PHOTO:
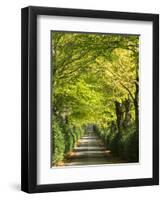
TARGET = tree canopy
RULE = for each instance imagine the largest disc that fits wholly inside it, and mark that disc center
(95, 79)
(91, 72)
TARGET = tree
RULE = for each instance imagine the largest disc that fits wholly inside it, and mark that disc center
(95, 79)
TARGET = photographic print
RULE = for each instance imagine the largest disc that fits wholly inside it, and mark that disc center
(94, 98)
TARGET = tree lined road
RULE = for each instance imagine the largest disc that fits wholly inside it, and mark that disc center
(90, 151)
(95, 81)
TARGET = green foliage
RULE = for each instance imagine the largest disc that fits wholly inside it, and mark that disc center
(125, 145)
(70, 138)
(64, 139)
(70, 141)
(58, 142)
(130, 146)
(95, 80)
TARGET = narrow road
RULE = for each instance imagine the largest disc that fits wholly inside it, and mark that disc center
(90, 151)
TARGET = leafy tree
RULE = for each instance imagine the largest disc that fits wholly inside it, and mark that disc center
(95, 80)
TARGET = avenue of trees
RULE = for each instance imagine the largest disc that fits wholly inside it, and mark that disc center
(95, 81)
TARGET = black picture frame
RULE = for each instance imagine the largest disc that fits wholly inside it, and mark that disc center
(29, 99)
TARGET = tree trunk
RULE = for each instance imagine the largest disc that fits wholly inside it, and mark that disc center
(119, 114)
(127, 113)
(136, 104)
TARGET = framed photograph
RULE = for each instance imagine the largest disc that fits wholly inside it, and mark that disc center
(90, 99)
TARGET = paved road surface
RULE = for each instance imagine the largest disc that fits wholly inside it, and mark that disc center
(90, 151)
